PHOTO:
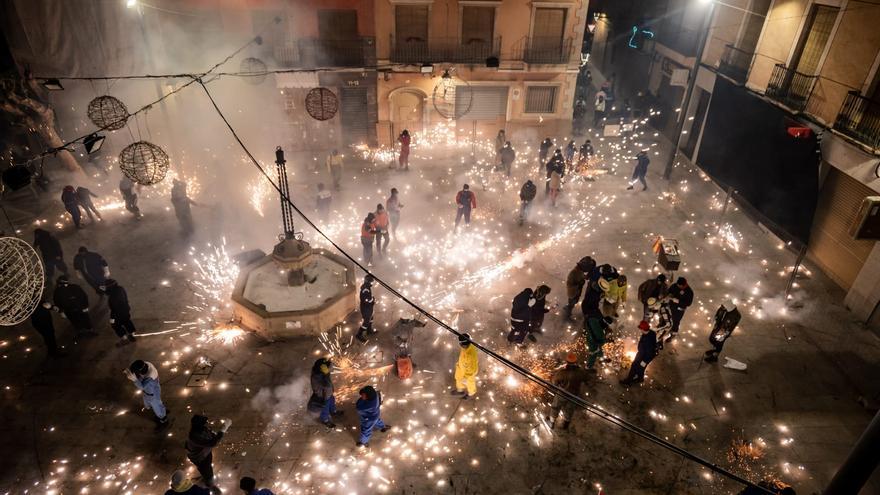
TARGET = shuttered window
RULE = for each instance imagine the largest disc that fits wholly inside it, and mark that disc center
(477, 24)
(411, 23)
(486, 102)
(818, 31)
(541, 99)
(549, 28)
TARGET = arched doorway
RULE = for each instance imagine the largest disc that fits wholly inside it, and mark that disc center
(407, 110)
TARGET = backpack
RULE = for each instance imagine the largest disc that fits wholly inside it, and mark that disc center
(404, 367)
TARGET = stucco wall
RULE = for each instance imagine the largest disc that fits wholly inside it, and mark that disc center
(785, 18)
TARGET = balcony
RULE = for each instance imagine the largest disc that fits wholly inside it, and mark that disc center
(790, 87)
(317, 52)
(419, 51)
(735, 63)
(544, 50)
(859, 118)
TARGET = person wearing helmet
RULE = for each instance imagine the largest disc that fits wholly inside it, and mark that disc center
(726, 319)
(466, 201)
(520, 316)
(646, 352)
(74, 305)
(366, 307)
(120, 312)
(322, 400)
(71, 204)
(571, 378)
(145, 377)
(526, 195)
(574, 283)
(537, 312)
(369, 409)
(182, 485)
(652, 289)
(466, 368)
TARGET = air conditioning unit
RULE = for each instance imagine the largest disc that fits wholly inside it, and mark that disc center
(867, 223)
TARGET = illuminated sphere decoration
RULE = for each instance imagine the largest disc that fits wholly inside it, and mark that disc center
(321, 103)
(452, 98)
(21, 280)
(144, 163)
(108, 113)
(256, 68)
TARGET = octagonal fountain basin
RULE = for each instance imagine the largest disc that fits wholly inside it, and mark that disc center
(265, 300)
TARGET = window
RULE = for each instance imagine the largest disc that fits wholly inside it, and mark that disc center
(541, 99)
(817, 33)
(337, 24)
(753, 23)
(411, 23)
(477, 25)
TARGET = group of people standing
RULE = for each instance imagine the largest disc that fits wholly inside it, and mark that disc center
(380, 226)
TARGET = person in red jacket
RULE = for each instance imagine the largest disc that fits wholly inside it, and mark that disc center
(466, 201)
(381, 225)
(368, 233)
(403, 159)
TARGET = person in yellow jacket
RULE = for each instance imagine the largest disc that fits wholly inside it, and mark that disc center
(615, 296)
(466, 368)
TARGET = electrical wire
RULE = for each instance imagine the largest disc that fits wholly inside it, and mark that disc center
(549, 386)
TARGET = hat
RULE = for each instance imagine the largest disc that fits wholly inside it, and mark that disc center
(63, 279)
(247, 483)
(368, 279)
(571, 358)
(681, 281)
(198, 421)
(464, 340)
(661, 277)
(139, 367)
(542, 290)
(643, 325)
(603, 284)
(179, 481)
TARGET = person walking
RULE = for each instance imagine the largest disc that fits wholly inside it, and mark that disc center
(726, 319)
(466, 368)
(120, 313)
(571, 378)
(586, 152)
(651, 292)
(640, 171)
(322, 401)
(366, 307)
(368, 235)
(200, 443)
(71, 204)
(520, 316)
(41, 320)
(84, 198)
(369, 409)
(508, 156)
(500, 141)
(526, 195)
(599, 108)
(91, 267)
(466, 202)
(74, 305)
(404, 140)
(537, 312)
(680, 297)
(146, 378)
(50, 251)
(544, 152)
(323, 200)
(182, 204)
(393, 205)
(647, 351)
(182, 485)
(574, 283)
(334, 164)
(381, 223)
(126, 188)
(569, 152)
(248, 486)
(555, 164)
(555, 184)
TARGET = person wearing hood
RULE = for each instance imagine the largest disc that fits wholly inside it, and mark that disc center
(726, 319)
(182, 204)
(574, 283)
(544, 152)
(393, 205)
(200, 443)
(520, 315)
(369, 409)
(555, 164)
(71, 204)
(680, 297)
(367, 302)
(146, 378)
(84, 198)
(647, 351)
(41, 320)
(594, 324)
(126, 188)
(537, 311)
(91, 267)
(50, 251)
(640, 171)
(466, 201)
(322, 401)
(526, 195)
(586, 152)
(651, 292)
(571, 378)
(334, 166)
(466, 368)
(248, 486)
(74, 305)
(368, 235)
(120, 312)
(508, 156)
(182, 485)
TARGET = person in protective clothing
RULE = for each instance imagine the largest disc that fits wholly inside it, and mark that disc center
(91, 267)
(520, 316)
(182, 203)
(368, 408)
(74, 305)
(652, 289)
(594, 323)
(680, 297)
(50, 251)
(466, 368)
(726, 319)
(248, 486)
(544, 152)
(84, 198)
(571, 378)
(334, 166)
(182, 485)
(574, 283)
(120, 312)
(323, 200)
(71, 204)
(368, 234)
(402, 333)
(366, 307)
(404, 140)
(41, 320)
(393, 205)
(126, 188)
(569, 152)
(526, 195)
(555, 164)
(586, 152)
(145, 377)
(200, 443)
(466, 201)
(537, 311)
(508, 156)
(646, 353)
(322, 400)
(640, 171)
(500, 140)
(381, 224)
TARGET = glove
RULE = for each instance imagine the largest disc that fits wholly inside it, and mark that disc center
(106, 272)
(112, 321)
(226, 424)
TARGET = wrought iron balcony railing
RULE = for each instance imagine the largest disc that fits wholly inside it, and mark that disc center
(464, 51)
(735, 63)
(790, 87)
(318, 52)
(544, 50)
(859, 118)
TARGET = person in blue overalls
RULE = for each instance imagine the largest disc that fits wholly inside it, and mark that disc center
(368, 410)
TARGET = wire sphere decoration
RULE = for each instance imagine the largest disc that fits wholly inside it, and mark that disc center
(321, 103)
(254, 70)
(108, 113)
(144, 162)
(21, 280)
(452, 98)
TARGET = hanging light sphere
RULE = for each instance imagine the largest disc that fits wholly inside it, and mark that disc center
(108, 112)
(144, 163)
(21, 280)
(452, 98)
(256, 67)
(321, 103)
